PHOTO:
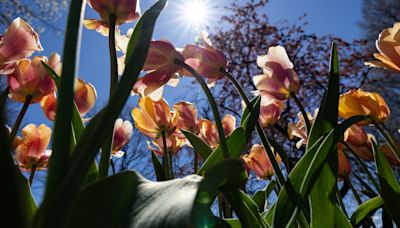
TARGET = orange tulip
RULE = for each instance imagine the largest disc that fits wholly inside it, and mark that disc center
(124, 10)
(388, 45)
(299, 130)
(359, 102)
(122, 134)
(187, 117)
(31, 150)
(279, 79)
(209, 131)
(174, 144)
(389, 154)
(344, 169)
(161, 69)
(31, 79)
(359, 141)
(18, 42)
(154, 117)
(257, 161)
(84, 97)
(206, 60)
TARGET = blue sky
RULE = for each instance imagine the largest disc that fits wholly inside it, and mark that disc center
(338, 17)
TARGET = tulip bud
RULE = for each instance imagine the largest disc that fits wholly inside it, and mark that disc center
(359, 102)
(122, 134)
(187, 117)
(209, 131)
(31, 79)
(19, 41)
(359, 141)
(270, 110)
(31, 150)
(344, 169)
(258, 161)
(388, 45)
(389, 154)
(279, 78)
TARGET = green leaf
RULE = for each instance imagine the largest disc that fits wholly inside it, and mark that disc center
(261, 196)
(129, 200)
(158, 168)
(59, 161)
(390, 186)
(322, 197)
(18, 206)
(282, 153)
(340, 218)
(224, 176)
(53, 210)
(234, 223)
(198, 144)
(250, 118)
(368, 208)
(236, 144)
(302, 177)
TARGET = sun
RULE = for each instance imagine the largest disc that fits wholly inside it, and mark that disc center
(197, 13)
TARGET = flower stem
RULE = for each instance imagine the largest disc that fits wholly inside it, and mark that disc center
(171, 167)
(213, 104)
(261, 133)
(107, 147)
(165, 150)
(20, 117)
(112, 166)
(32, 175)
(363, 166)
(358, 199)
(195, 162)
(302, 110)
(389, 139)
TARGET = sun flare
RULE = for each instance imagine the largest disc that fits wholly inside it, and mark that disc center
(197, 13)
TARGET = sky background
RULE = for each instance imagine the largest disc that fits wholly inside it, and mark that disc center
(324, 17)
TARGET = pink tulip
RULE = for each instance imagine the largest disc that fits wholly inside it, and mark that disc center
(31, 79)
(19, 41)
(187, 117)
(122, 134)
(84, 97)
(124, 10)
(389, 154)
(279, 79)
(160, 69)
(359, 141)
(270, 110)
(209, 132)
(31, 150)
(258, 161)
(206, 60)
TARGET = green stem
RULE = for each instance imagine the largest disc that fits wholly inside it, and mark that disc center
(302, 110)
(171, 167)
(213, 104)
(220, 206)
(107, 147)
(340, 200)
(261, 133)
(363, 166)
(20, 117)
(195, 161)
(389, 139)
(112, 165)
(32, 175)
(358, 198)
(165, 153)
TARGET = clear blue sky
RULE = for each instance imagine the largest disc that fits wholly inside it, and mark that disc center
(338, 17)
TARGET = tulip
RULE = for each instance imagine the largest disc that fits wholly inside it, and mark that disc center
(344, 166)
(187, 117)
(154, 117)
(389, 154)
(359, 102)
(279, 79)
(270, 111)
(206, 60)
(31, 79)
(174, 144)
(258, 161)
(388, 45)
(209, 132)
(359, 141)
(124, 10)
(299, 130)
(19, 41)
(84, 97)
(30, 152)
(122, 134)
(161, 69)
